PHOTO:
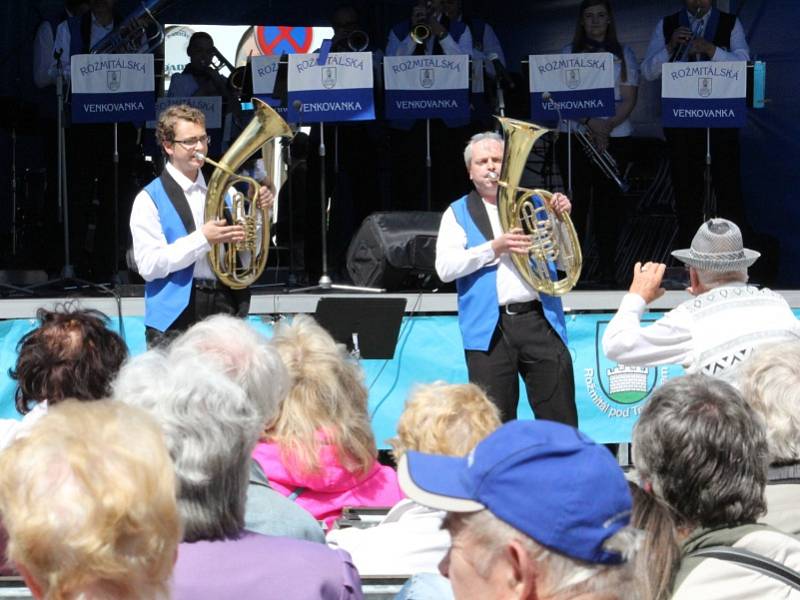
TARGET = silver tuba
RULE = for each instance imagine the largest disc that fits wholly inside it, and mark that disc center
(139, 33)
(553, 238)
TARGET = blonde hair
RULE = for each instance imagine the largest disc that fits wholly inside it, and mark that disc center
(326, 403)
(88, 500)
(443, 418)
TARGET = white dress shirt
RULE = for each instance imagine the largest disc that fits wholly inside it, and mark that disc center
(455, 260)
(625, 128)
(155, 258)
(63, 41)
(406, 46)
(491, 47)
(657, 52)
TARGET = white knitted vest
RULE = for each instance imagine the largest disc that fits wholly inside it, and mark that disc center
(728, 322)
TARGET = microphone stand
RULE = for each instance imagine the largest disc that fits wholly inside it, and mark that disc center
(709, 206)
(325, 282)
(428, 165)
(67, 278)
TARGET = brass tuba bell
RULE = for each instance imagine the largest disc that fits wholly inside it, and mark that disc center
(554, 242)
(238, 265)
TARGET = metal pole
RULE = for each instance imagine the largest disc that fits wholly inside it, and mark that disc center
(116, 201)
(324, 280)
(428, 164)
(569, 160)
(708, 205)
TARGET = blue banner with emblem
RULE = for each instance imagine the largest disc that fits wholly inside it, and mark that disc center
(338, 90)
(427, 87)
(704, 94)
(609, 395)
(578, 86)
(108, 88)
(265, 74)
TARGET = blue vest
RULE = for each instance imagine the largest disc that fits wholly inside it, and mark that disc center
(478, 306)
(166, 298)
(77, 31)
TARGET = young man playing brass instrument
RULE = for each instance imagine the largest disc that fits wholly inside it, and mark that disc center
(171, 241)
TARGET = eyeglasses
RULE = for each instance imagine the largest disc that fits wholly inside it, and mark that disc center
(191, 142)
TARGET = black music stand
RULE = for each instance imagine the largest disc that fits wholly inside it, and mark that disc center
(369, 327)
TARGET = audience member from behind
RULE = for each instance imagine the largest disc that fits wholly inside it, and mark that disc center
(536, 510)
(703, 449)
(87, 516)
(717, 328)
(321, 452)
(659, 555)
(439, 418)
(71, 354)
(770, 384)
(211, 427)
(251, 362)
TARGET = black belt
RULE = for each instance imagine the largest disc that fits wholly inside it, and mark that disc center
(519, 308)
(208, 284)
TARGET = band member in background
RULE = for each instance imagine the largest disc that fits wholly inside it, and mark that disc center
(595, 31)
(170, 239)
(507, 332)
(45, 38)
(90, 156)
(199, 78)
(488, 59)
(447, 36)
(700, 32)
(409, 137)
(357, 165)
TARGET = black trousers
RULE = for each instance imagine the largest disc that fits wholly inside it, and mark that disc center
(525, 344)
(203, 302)
(687, 154)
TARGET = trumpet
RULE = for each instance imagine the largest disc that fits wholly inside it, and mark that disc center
(603, 160)
(237, 74)
(420, 33)
(357, 40)
(679, 54)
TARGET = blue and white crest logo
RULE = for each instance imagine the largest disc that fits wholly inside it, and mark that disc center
(572, 78)
(704, 86)
(113, 80)
(426, 78)
(622, 384)
(328, 77)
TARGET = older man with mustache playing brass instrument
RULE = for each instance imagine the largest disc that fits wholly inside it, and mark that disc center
(505, 328)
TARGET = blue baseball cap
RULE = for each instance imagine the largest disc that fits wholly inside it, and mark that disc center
(545, 479)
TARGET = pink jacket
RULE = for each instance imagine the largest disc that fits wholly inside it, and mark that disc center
(327, 492)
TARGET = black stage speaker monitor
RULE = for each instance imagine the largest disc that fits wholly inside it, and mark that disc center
(395, 250)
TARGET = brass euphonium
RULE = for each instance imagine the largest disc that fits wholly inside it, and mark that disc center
(239, 264)
(554, 242)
